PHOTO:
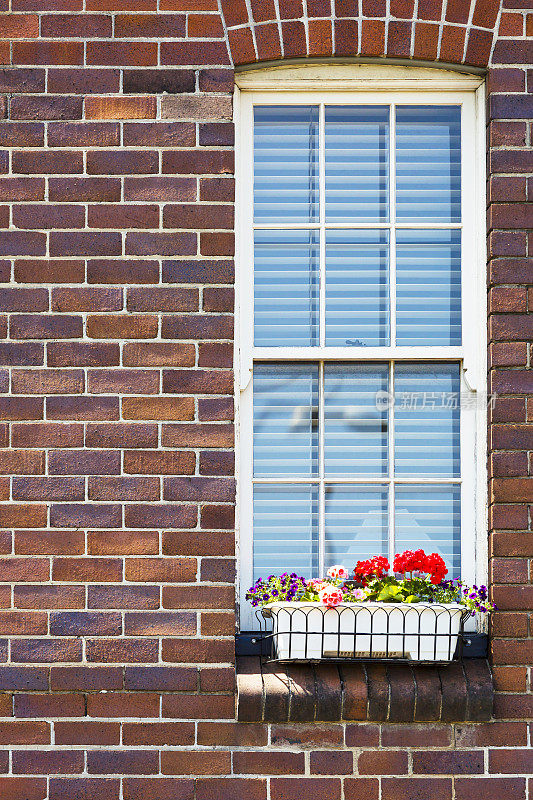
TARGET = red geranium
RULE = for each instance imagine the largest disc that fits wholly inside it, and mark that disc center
(418, 561)
(373, 568)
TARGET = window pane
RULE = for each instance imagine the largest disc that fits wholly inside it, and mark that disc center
(428, 293)
(427, 418)
(428, 163)
(356, 524)
(286, 288)
(357, 163)
(285, 420)
(357, 294)
(355, 427)
(430, 517)
(285, 530)
(286, 163)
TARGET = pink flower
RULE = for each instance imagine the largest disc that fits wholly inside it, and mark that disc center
(358, 594)
(317, 584)
(331, 597)
(338, 572)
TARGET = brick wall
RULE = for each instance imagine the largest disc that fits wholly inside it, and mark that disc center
(116, 439)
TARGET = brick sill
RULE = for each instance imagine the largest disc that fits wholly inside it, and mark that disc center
(376, 692)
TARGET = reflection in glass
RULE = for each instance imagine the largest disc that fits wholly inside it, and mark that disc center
(286, 289)
(286, 163)
(355, 437)
(285, 420)
(357, 294)
(356, 523)
(427, 416)
(285, 530)
(429, 517)
(428, 163)
(428, 293)
(357, 163)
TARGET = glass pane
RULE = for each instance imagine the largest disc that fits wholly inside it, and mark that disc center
(355, 438)
(357, 293)
(285, 530)
(428, 163)
(428, 293)
(427, 419)
(429, 517)
(285, 420)
(356, 524)
(286, 163)
(286, 289)
(357, 163)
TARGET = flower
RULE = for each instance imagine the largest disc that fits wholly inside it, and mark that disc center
(358, 594)
(338, 572)
(374, 567)
(331, 596)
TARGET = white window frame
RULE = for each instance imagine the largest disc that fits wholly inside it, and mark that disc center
(356, 84)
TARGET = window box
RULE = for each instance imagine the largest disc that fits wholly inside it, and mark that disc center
(415, 632)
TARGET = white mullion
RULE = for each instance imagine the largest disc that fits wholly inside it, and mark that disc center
(321, 470)
(390, 440)
(392, 214)
(322, 222)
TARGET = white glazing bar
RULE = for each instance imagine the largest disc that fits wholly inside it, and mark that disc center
(358, 353)
(365, 480)
(321, 490)
(392, 212)
(322, 220)
(289, 226)
(390, 429)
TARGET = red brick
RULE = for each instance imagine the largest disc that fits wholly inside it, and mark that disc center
(124, 762)
(159, 788)
(87, 732)
(84, 788)
(29, 596)
(26, 788)
(122, 542)
(490, 788)
(389, 762)
(49, 542)
(83, 189)
(44, 762)
(163, 570)
(122, 650)
(233, 789)
(158, 734)
(120, 107)
(123, 381)
(24, 733)
(415, 788)
(161, 408)
(47, 52)
(128, 54)
(46, 705)
(355, 788)
(122, 704)
(77, 26)
(19, 26)
(449, 763)
(426, 41)
(196, 763)
(82, 299)
(183, 651)
(87, 569)
(292, 788)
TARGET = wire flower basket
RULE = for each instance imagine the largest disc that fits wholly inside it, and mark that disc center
(425, 633)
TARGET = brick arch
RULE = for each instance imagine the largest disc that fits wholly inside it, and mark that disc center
(457, 32)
